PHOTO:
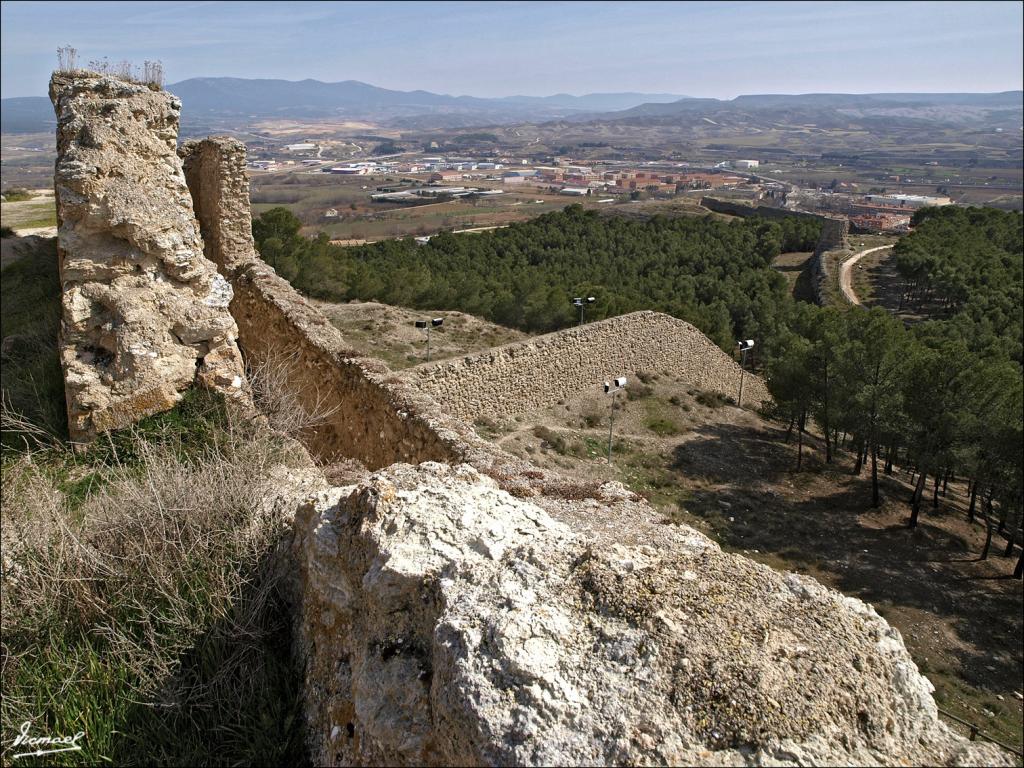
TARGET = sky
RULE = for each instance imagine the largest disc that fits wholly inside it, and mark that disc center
(716, 49)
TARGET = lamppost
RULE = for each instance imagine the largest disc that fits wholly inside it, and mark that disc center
(745, 346)
(580, 302)
(613, 388)
(426, 325)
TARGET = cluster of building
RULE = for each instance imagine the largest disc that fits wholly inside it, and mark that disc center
(659, 181)
(905, 202)
(871, 212)
(881, 222)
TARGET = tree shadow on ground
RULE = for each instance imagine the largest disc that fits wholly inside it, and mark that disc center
(821, 519)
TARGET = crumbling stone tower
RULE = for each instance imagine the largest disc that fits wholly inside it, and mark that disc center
(144, 313)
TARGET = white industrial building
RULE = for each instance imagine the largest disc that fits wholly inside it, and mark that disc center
(575, 191)
(745, 165)
(907, 201)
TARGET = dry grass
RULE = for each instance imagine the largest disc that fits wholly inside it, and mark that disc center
(149, 609)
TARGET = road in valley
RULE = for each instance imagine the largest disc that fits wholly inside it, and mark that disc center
(846, 276)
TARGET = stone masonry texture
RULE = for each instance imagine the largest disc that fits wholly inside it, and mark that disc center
(144, 314)
(445, 622)
(534, 374)
(364, 418)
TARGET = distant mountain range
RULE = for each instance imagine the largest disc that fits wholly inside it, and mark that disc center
(220, 98)
(843, 102)
(230, 101)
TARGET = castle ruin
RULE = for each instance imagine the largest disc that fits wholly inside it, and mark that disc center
(457, 605)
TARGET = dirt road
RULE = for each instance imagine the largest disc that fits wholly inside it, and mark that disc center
(845, 276)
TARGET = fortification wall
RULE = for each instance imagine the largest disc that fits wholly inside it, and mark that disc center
(529, 375)
(144, 314)
(834, 236)
(834, 233)
(437, 614)
(366, 417)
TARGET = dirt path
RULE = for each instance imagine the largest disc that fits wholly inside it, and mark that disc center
(845, 279)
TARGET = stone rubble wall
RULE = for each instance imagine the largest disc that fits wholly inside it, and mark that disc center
(530, 375)
(144, 314)
(835, 230)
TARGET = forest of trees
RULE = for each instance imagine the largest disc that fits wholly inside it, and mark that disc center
(944, 397)
(968, 262)
(713, 273)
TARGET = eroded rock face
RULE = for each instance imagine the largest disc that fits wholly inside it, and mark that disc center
(145, 315)
(447, 622)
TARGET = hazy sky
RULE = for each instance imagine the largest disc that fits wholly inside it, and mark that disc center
(719, 49)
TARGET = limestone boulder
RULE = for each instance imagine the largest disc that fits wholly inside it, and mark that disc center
(447, 622)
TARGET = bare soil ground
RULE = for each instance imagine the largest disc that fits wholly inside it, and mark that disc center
(794, 266)
(37, 216)
(731, 474)
(852, 266)
(388, 333)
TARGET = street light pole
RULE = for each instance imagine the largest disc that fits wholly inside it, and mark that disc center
(425, 325)
(745, 346)
(613, 388)
(581, 302)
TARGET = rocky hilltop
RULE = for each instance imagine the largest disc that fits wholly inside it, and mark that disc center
(458, 606)
(450, 623)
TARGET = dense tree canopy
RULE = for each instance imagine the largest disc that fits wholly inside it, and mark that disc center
(947, 392)
(969, 261)
(713, 273)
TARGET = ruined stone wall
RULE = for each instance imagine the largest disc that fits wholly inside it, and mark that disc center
(529, 375)
(835, 231)
(444, 621)
(365, 417)
(745, 210)
(834, 237)
(144, 314)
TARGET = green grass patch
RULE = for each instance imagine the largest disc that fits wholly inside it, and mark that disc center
(30, 374)
(143, 590)
(142, 606)
(17, 195)
(49, 220)
(662, 426)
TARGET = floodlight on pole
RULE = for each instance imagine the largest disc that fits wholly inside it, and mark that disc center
(744, 346)
(581, 302)
(612, 388)
(426, 325)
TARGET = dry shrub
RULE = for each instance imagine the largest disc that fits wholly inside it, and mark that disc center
(271, 376)
(594, 416)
